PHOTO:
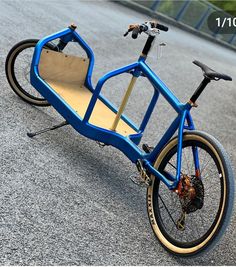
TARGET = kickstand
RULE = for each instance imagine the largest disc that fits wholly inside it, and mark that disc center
(48, 129)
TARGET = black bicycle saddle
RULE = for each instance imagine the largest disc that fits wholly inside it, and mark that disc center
(210, 73)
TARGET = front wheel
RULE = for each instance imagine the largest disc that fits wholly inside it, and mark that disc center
(17, 68)
(192, 218)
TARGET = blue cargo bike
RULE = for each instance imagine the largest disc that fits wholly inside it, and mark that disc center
(188, 175)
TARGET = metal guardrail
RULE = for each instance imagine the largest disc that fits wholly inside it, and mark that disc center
(191, 13)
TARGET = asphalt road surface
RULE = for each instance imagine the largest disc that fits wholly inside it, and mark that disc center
(66, 201)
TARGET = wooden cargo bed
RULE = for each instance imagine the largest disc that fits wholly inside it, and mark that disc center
(66, 76)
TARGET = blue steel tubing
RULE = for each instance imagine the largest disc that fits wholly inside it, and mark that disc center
(150, 158)
(196, 158)
(156, 173)
(194, 149)
(100, 84)
(122, 143)
(88, 82)
(179, 148)
(178, 122)
(68, 35)
(149, 111)
(161, 87)
(189, 120)
(49, 38)
(90, 55)
(164, 140)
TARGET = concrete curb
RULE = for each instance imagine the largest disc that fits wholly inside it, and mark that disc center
(171, 21)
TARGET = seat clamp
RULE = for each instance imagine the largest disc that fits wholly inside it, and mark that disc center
(193, 104)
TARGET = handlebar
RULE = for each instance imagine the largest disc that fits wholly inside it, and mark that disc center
(162, 27)
(147, 27)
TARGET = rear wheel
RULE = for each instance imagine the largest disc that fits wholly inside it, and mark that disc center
(17, 69)
(191, 219)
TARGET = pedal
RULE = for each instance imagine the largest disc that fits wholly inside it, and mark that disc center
(147, 148)
(138, 180)
(143, 178)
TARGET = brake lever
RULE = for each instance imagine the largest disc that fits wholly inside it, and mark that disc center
(131, 27)
(126, 33)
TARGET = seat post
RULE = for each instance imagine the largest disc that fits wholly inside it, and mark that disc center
(199, 90)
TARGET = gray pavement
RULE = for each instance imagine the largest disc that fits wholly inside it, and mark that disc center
(65, 201)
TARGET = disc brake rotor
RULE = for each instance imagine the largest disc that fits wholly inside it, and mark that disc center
(191, 193)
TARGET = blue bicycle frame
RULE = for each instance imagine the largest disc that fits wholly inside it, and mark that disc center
(127, 144)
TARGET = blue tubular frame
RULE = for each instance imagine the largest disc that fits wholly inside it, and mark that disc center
(128, 144)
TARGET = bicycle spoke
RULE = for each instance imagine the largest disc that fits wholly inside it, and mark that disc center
(174, 167)
(198, 221)
(186, 159)
(167, 209)
(202, 170)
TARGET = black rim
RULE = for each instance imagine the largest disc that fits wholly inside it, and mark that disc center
(158, 199)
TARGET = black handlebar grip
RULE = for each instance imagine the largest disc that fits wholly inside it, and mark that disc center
(135, 33)
(162, 27)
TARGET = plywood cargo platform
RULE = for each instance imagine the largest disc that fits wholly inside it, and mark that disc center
(66, 76)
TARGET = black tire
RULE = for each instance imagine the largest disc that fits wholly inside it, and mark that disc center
(29, 95)
(216, 207)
